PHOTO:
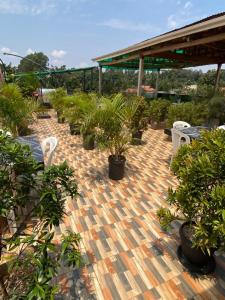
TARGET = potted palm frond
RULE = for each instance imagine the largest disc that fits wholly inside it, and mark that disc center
(139, 121)
(158, 111)
(74, 110)
(89, 110)
(199, 199)
(16, 111)
(113, 117)
(57, 100)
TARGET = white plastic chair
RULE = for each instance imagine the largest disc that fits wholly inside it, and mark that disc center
(181, 124)
(221, 127)
(178, 139)
(49, 144)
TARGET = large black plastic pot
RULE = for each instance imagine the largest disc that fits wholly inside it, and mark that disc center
(116, 166)
(136, 137)
(89, 141)
(74, 129)
(195, 255)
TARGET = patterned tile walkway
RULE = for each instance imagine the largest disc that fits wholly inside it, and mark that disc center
(129, 256)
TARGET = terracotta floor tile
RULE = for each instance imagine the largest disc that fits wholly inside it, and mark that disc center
(130, 256)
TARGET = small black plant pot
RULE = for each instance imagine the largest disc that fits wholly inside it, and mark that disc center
(116, 167)
(74, 129)
(136, 137)
(195, 256)
(43, 115)
(89, 141)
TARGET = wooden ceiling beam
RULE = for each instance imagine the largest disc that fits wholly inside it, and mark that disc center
(183, 45)
(189, 44)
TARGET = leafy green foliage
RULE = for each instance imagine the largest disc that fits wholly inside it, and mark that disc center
(200, 196)
(35, 254)
(114, 118)
(158, 110)
(195, 114)
(217, 108)
(139, 119)
(57, 99)
(28, 84)
(16, 112)
(80, 108)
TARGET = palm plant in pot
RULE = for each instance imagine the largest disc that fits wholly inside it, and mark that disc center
(57, 99)
(89, 110)
(199, 199)
(139, 120)
(76, 109)
(113, 116)
(158, 111)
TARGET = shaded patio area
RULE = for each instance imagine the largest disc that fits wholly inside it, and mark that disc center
(128, 255)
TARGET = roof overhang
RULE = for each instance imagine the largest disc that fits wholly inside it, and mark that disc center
(200, 43)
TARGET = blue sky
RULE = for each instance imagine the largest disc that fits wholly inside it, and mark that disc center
(72, 32)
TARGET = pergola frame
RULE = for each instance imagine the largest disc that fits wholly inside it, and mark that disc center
(200, 43)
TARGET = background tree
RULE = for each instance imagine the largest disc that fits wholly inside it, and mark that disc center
(33, 62)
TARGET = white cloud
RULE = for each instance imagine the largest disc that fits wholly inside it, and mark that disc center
(129, 26)
(188, 5)
(57, 62)
(27, 6)
(36, 7)
(58, 53)
(30, 51)
(82, 65)
(172, 22)
(183, 16)
(8, 50)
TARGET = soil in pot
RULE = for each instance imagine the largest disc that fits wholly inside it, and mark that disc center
(74, 129)
(43, 115)
(116, 167)
(195, 255)
(89, 141)
(136, 138)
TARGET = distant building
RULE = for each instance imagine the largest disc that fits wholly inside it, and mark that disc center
(147, 89)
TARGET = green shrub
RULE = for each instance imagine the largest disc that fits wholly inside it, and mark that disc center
(16, 112)
(139, 120)
(217, 108)
(57, 99)
(195, 114)
(158, 110)
(80, 109)
(200, 195)
(28, 84)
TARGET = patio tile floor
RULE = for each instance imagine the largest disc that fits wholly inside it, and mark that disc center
(128, 255)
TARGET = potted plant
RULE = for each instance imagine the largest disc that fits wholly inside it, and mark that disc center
(74, 109)
(16, 112)
(79, 111)
(139, 121)
(57, 100)
(158, 110)
(89, 122)
(113, 118)
(199, 199)
(29, 253)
